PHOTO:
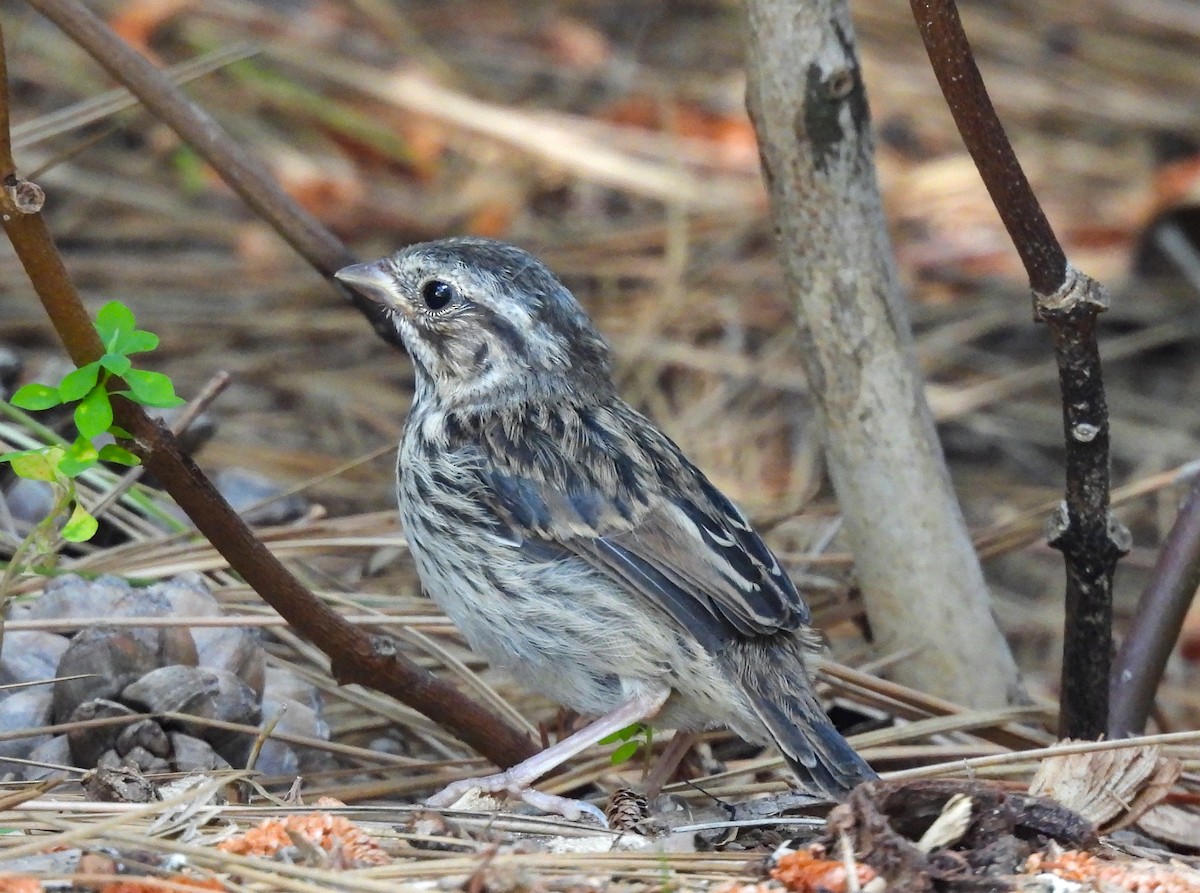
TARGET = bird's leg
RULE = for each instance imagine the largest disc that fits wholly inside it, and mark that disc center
(517, 780)
(668, 761)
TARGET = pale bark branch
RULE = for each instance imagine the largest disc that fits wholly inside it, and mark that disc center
(920, 577)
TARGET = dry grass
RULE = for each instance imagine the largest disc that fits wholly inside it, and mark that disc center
(395, 124)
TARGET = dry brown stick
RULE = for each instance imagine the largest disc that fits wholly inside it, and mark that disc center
(1068, 301)
(356, 656)
(240, 170)
(179, 425)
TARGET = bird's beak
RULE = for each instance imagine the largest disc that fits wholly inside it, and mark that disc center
(367, 280)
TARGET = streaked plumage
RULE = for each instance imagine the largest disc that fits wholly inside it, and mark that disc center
(565, 535)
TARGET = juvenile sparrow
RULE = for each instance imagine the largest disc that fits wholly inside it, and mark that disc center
(569, 539)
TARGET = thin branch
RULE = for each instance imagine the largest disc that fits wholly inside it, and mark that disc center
(184, 420)
(1068, 302)
(243, 172)
(962, 85)
(240, 170)
(356, 656)
(1158, 621)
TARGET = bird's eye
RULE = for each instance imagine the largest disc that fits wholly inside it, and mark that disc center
(437, 294)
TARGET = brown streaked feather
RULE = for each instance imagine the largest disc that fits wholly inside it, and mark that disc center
(636, 509)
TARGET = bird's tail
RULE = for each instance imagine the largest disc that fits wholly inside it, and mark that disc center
(781, 696)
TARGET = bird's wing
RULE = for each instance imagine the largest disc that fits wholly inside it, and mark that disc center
(630, 504)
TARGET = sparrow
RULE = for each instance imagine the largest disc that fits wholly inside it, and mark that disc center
(570, 540)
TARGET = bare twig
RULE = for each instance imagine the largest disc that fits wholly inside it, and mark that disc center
(1068, 302)
(356, 656)
(1157, 622)
(238, 168)
(97, 108)
(182, 422)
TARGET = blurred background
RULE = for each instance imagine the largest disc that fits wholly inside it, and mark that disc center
(610, 138)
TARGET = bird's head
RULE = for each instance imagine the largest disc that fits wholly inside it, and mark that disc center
(484, 321)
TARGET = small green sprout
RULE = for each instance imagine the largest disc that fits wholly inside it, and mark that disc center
(632, 738)
(87, 386)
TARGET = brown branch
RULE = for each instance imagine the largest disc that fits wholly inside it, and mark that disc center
(1068, 302)
(1156, 624)
(356, 656)
(962, 85)
(240, 170)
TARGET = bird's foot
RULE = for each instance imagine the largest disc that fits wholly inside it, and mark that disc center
(504, 783)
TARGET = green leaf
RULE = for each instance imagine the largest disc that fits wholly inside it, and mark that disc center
(140, 341)
(35, 465)
(78, 382)
(17, 454)
(625, 752)
(118, 329)
(120, 433)
(73, 468)
(110, 452)
(151, 388)
(622, 734)
(116, 363)
(36, 396)
(81, 526)
(114, 322)
(94, 413)
(80, 456)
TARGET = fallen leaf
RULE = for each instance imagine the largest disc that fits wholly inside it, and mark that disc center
(1107, 786)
